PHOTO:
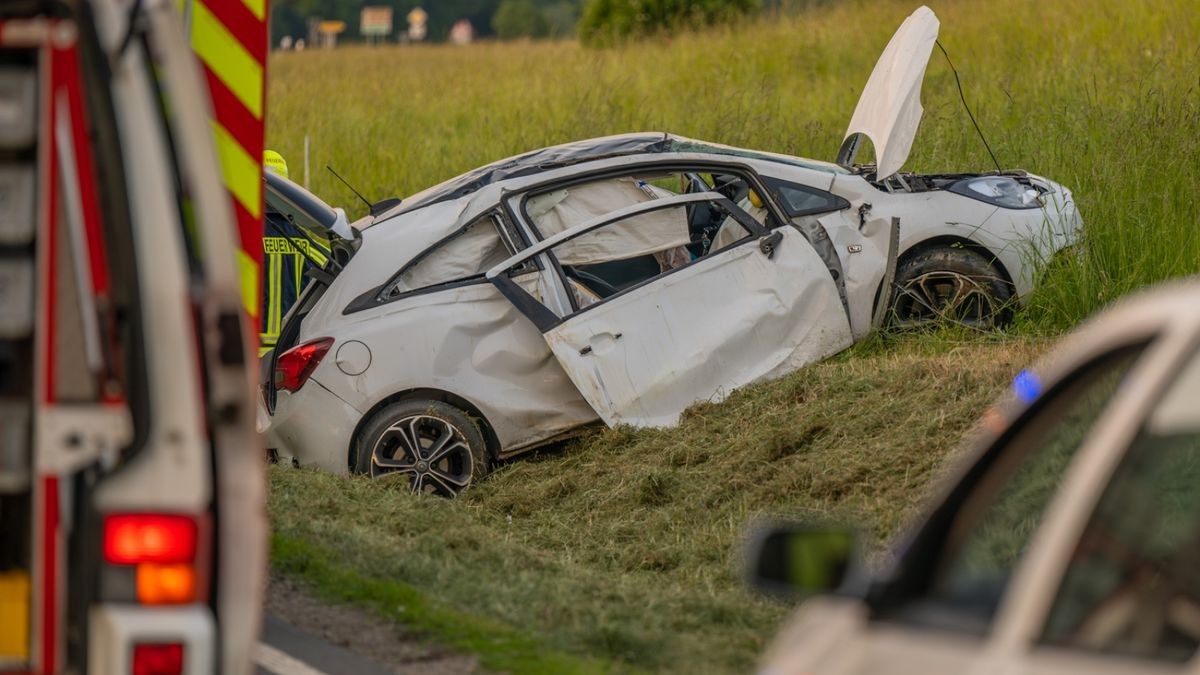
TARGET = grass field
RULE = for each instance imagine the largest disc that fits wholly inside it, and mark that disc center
(622, 546)
(1101, 96)
(617, 551)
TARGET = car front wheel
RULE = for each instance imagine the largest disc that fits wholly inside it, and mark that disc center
(956, 285)
(433, 446)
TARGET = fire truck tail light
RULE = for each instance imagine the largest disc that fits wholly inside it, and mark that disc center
(159, 584)
(295, 365)
(159, 658)
(130, 539)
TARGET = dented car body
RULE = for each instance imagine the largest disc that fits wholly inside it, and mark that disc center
(621, 279)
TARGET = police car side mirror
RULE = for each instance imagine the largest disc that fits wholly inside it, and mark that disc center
(790, 561)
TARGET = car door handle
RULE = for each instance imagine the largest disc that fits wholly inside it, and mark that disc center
(768, 243)
(587, 349)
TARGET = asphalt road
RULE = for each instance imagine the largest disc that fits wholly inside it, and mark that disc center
(286, 650)
(304, 635)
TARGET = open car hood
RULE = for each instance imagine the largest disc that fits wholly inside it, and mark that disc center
(889, 109)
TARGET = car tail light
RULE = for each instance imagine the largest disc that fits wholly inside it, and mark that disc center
(160, 658)
(163, 551)
(294, 366)
(135, 538)
(166, 584)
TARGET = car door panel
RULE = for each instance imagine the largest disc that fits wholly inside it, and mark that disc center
(702, 332)
(855, 249)
(755, 310)
(864, 254)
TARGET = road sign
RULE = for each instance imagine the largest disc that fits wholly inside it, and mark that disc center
(376, 21)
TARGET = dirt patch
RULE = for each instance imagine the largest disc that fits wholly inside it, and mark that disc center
(385, 642)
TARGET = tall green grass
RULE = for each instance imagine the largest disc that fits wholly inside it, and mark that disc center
(620, 547)
(1100, 95)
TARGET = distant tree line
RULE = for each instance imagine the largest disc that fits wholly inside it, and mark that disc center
(597, 22)
(505, 18)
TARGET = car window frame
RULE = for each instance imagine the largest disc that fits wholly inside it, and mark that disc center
(1038, 647)
(835, 202)
(546, 320)
(748, 173)
(896, 600)
(520, 215)
(373, 297)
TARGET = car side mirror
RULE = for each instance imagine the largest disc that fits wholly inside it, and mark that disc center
(790, 561)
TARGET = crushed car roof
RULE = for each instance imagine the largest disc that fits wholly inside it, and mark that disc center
(567, 154)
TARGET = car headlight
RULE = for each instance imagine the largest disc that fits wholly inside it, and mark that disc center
(1000, 190)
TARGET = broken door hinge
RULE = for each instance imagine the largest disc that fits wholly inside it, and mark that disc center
(862, 214)
(768, 243)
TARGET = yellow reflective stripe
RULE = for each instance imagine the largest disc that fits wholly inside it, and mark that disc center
(275, 301)
(257, 7)
(241, 172)
(317, 255)
(248, 274)
(227, 58)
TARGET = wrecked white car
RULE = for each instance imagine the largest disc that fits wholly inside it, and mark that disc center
(624, 278)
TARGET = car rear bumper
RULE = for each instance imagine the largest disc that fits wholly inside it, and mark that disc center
(313, 427)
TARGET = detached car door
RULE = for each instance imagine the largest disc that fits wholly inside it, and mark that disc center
(693, 328)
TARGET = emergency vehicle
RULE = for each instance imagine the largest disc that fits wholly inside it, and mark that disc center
(132, 520)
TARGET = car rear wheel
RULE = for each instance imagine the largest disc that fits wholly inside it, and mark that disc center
(956, 285)
(432, 446)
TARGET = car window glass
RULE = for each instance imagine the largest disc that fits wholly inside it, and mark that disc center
(467, 254)
(1131, 586)
(1005, 508)
(801, 200)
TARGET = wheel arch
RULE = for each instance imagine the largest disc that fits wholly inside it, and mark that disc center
(947, 241)
(954, 241)
(431, 394)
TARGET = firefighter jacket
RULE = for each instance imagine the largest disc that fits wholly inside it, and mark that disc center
(284, 265)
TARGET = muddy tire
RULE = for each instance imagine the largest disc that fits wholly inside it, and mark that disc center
(947, 284)
(432, 446)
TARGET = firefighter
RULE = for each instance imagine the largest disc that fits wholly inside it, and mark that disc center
(287, 254)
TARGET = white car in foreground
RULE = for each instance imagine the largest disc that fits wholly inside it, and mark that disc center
(1068, 544)
(625, 278)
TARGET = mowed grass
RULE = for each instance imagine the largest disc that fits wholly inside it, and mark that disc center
(617, 551)
(1100, 95)
(623, 546)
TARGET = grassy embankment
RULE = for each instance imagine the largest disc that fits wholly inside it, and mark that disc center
(623, 545)
(619, 547)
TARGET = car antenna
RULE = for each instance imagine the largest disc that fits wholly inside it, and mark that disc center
(347, 184)
(966, 107)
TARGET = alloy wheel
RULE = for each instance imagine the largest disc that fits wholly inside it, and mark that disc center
(431, 453)
(944, 296)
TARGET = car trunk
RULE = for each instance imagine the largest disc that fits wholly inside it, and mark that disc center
(317, 222)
